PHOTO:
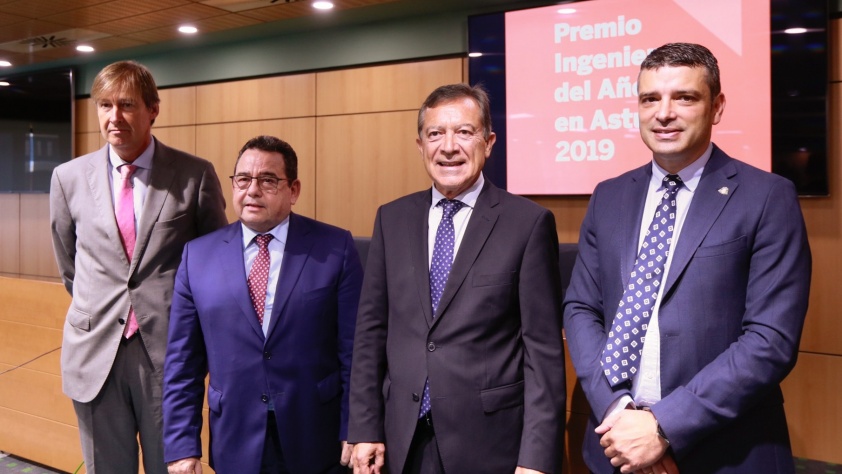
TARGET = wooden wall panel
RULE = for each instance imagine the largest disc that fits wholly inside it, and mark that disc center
(36, 247)
(45, 441)
(21, 343)
(182, 138)
(835, 41)
(364, 161)
(86, 118)
(41, 397)
(383, 88)
(256, 99)
(35, 303)
(178, 107)
(88, 142)
(221, 143)
(10, 233)
(824, 229)
(569, 213)
(813, 410)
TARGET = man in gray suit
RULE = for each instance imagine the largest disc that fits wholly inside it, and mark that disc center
(120, 217)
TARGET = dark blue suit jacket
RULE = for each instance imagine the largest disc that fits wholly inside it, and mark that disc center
(493, 353)
(303, 365)
(730, 319)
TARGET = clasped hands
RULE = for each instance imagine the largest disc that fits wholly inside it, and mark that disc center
(631, 442)
(369, 458)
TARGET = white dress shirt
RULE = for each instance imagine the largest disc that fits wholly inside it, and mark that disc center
(140, 178)
(460, 219)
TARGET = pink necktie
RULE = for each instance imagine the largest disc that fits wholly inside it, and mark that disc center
(259, 275)
(125, 222)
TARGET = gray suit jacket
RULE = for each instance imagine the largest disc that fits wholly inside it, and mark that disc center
(184, 200)
(493, 353)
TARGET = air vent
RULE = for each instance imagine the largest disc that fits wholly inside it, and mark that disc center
(45, 42)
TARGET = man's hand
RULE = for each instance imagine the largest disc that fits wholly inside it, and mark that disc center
(523, 470)
(665, 465)
(185, 466)
(368, 458)
(631, 441)
(345, 458)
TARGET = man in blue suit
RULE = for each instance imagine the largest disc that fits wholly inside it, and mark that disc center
(700, 393)
(276, 343)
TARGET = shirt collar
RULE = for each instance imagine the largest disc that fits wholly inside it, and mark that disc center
(279, 232)
(144, 161)
(468, 197)
(690, 175)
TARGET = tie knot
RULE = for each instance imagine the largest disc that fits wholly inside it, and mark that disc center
(673, 182)
(263, 240)
(450, 207)
(126, 171)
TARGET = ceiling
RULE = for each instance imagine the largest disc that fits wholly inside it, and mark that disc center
(35, 31)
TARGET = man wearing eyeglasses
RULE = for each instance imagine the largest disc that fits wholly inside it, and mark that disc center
(267, 306)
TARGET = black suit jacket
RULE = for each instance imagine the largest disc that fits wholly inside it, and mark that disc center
(493, 353)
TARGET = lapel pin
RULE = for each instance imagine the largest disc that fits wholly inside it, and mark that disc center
(723, 191)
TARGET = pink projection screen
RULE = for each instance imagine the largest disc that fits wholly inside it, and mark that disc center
(571, 85)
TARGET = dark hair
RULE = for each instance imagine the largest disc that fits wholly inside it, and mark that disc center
(452, 92)
(273, 144)
(686, 54)
(126, 76)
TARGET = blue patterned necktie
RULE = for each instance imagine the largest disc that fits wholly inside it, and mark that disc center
(440, 270)
(621, 356)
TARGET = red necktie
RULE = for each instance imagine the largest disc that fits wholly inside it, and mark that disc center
(259, 275)
(125, 222)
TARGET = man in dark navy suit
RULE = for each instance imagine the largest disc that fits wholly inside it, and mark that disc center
(702, 395)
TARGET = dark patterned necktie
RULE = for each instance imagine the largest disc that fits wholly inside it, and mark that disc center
(440, 270)
(621, 356)
(259, 275)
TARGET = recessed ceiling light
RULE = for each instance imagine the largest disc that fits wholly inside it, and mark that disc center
(322, 5)
(567, 11)
(188, 30)
(5, 63)
(474, 55)
(795, 31)
(83, 48)
(4, 84)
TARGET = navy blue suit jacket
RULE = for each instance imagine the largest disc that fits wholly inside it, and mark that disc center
(303, 364)
(730, 318)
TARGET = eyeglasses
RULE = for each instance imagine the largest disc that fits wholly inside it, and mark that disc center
(268, 184)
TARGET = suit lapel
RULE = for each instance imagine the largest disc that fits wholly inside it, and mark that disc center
(99, 181)
(234, 269)
(482, 221)
(634, 200)
(705, 208)
(417, 223)
(296, 252)
(161, 177)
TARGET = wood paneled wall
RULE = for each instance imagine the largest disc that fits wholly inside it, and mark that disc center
(354, 132)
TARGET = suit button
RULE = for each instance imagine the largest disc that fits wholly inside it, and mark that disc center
(431, 346)
(264, 398)
(267, 355)
(121, 321)
(415, 397)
